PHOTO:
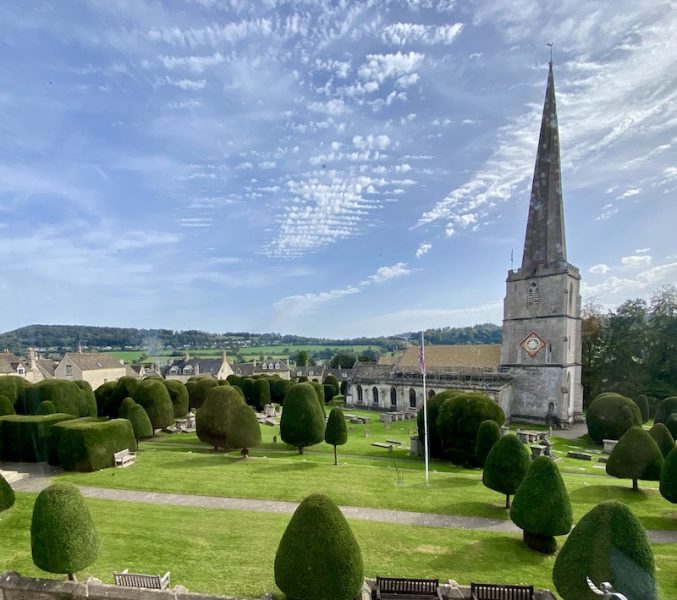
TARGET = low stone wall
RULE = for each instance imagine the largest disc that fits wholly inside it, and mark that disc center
(15, 587)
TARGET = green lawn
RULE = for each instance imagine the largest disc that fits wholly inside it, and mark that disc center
(232, 552)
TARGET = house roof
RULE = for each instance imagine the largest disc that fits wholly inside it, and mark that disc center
(9, 363)
(92, 361)
(46, 367)
(205, 366)
(306, 370)
(255, 367)
(471, 356)
(371, 372)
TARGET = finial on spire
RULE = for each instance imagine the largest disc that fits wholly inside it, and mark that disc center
(550, 44)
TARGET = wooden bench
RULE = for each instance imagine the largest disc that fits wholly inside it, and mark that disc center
(382, 445)
(124, 458)
(138, 580)
(499, 591)
(411, 589)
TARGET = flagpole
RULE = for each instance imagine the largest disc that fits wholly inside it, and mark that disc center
(425, 409)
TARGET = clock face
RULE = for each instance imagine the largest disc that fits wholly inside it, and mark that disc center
(533, 344)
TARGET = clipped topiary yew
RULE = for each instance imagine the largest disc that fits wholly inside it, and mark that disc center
(663, 438)
(213, 418)
(6, 406)
(302, 421)
(610, 415)
(125, 387)
(668, 486)
(247, 387)
(487, 435)
(506, 465)
(636, 456)
(243, 430)
(459, 419)
(66, 396)
(63, 536)
(141, 425)
(197, 392)
(336, 432)
(319, 391)
(318, 557)
(278, 389)
(328, 392)
(88, 395)
(541, 507)
(433, 408)
(127, 405)
(46, 408)
(23, 438)
(642, 403)
(260, 393)
(664, 409)
(178, 394)
(671, 424)
(607, 544)
(154, 397)
(6, 494)
(106, 402)
(331, 380)
(15, 388)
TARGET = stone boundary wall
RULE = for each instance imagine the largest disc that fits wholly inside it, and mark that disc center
(15, 587)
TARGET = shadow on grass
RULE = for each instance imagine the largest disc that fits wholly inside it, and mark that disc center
(599, 493)
(288, 467)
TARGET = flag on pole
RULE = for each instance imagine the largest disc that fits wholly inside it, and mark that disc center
(421, 356)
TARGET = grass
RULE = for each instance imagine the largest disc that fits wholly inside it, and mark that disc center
(233, 552)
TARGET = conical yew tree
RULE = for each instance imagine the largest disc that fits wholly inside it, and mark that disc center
(506, 465)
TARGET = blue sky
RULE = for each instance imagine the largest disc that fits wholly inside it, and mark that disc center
(323, 168)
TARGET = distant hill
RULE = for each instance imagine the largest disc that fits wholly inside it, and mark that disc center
(61, 338)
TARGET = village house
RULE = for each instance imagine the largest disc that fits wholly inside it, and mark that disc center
(96, 368)
(185, 368)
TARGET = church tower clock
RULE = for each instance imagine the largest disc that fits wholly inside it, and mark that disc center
(541, 344)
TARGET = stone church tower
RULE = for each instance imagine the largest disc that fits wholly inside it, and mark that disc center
(542, 307)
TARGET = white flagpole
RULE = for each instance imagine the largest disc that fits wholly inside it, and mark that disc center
(425, 410)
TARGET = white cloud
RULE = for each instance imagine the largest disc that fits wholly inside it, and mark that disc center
(333, 107)
(405, 34)
(187, 84)
(213, 35)
(633, 191)
(196, 64)
(608, 211)
(636, 261)
(371, 142)
(380, 67)
(642, 250)
(300, 305)
(600, 269)
(423, 249)
(385, 273)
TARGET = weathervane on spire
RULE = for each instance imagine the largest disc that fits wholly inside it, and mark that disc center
(550, 44)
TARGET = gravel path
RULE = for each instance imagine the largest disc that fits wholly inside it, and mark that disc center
(40, 477)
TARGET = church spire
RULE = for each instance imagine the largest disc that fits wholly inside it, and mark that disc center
(544, 243)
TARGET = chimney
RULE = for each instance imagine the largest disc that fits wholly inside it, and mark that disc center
(32, 358)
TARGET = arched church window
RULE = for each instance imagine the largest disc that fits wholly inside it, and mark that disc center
(374, 393)
(359, 394)
(431, 394)
(412, 398)
(393, 396)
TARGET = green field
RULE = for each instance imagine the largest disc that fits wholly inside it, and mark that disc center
(232, 552)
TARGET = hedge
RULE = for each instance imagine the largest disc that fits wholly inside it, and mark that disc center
(6, 406)
(197, 392)
(506, 466)
(154, 397)
(23, 438)
(663, 438)
(6, 494)
(607, 544)
(318, 557)
(88, 394)
(668, 485)
(636, 456)
(125, 387)
(459, 418)
(54, 437)
(107, 404)
(664, 409)
(278, 389)
(90, 445)
(14, 388)
(302, 421)
(66, 396)
(178, 394)
(487, 435)
(63, 536)
(541, 507)
(610, 415)
(46, 408)
(213, 418)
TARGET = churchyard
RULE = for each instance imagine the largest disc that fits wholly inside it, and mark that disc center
(232, 551)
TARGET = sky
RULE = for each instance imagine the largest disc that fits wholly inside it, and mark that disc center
(331, 169)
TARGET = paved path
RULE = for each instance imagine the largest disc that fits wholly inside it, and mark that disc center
(40, 476)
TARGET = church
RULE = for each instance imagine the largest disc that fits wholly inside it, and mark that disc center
(535, 373)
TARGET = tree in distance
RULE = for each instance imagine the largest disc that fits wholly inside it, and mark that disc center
(318, 557)
(487, 435)
(668, 485)
(336, 432)
(343, 360)
(662, 436)
(607, 544)
(636, 456)
(541, 507)
(302, 421)
(63, 536)
(506, 465)
(6, 494)
(610, 415)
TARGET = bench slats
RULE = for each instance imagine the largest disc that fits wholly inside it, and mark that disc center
(495, 591)
(140, 580)
(395, 587)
